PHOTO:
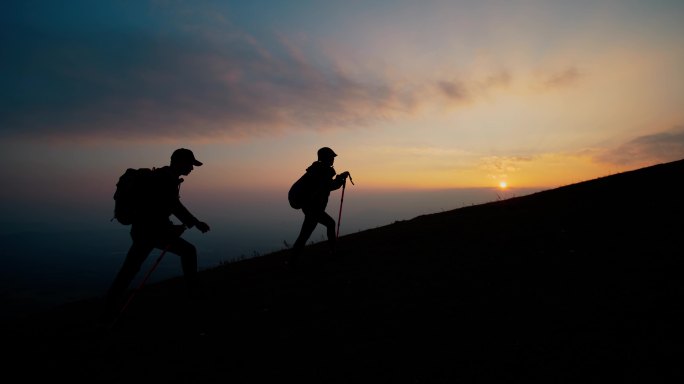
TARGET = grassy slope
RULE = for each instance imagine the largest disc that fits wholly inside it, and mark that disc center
(577, 284)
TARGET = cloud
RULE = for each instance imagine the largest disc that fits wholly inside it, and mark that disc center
(500, 167)
(660, 147)
(565, 78)
(215, 83)
(203, 77)
(196, 80)
(453, 90)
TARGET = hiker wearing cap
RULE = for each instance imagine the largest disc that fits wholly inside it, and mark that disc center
(152, 228)
(320, 179)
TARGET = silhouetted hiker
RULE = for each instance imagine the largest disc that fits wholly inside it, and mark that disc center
(313, 190)
(151, 228)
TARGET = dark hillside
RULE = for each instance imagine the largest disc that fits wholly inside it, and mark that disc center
(577, 284)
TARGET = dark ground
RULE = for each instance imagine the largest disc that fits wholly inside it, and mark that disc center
(580, 284)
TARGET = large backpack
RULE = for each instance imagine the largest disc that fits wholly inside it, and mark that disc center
(300, 192)
(132, 194)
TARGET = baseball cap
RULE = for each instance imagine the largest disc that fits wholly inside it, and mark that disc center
(184, 155)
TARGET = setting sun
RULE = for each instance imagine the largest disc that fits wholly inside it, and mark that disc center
(503, 185)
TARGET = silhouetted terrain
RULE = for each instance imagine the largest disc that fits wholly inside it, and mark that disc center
(577, 284)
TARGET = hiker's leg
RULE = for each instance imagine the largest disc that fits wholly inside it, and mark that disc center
(188, 257)
(137, 254)
(329, 223)
(308, 226)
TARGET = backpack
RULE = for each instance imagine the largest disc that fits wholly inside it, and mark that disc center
(300, 192)
(132, 194)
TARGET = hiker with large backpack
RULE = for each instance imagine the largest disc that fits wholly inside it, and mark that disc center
(145, 199)
(310, 193)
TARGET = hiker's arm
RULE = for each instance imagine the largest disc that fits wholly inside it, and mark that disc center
(339, 180)
(184, 215)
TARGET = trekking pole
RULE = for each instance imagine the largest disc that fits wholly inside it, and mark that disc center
(339, 217)
(142, 283)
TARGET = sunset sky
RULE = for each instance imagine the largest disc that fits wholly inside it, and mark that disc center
(410, 94)
(431, 105)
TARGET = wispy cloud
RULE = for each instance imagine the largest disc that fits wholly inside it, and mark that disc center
(206, 78)
(453, 90)
(559, 79)
(194, 80)
(158, 86)
(500, 167)
(661, 147)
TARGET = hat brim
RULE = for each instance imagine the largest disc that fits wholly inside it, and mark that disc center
(196, 163)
